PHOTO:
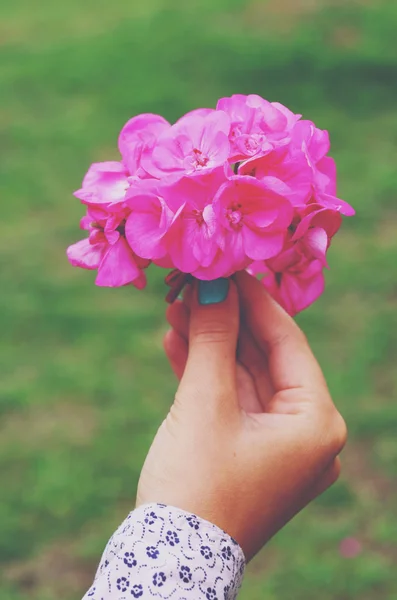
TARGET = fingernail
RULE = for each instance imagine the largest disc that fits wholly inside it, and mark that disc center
(213, 292)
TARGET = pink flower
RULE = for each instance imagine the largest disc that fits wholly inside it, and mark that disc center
(104, 184)
(292, 279)
(325, 176)
(295, 276)
(86, 255)
(276, 120)
(195, 144)
(106, 249)
(314, 144)
(291, 117)
(312, 141)
(176, 222)
(137, 139)
(297, 287)
(246, 137)
(150, 219)
(254, 219)
(257, 126)
(314, 228)
(334, 203)
(175, 200)
(350, 547)
(194, 240)
(291, 170)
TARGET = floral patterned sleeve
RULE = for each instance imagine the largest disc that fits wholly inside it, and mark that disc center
(163, 552)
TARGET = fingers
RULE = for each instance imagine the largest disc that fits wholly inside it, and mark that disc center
(178, 317)
(251, 366)
(249, 356)
(248, 397)
(254, 360)
(291, 362)
(210, 375)
(176, 349)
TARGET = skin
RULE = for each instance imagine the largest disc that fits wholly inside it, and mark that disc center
(253, 435)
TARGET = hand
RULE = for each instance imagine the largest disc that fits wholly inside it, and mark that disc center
(253, 435)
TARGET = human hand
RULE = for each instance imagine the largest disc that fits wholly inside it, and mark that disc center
(253, 435)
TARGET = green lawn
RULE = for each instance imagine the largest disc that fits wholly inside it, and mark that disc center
(84, 383)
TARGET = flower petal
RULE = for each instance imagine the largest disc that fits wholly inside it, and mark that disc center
(316, 241)
(300, 292)
(118, 267)
(105, 183)
(325, 176)
(86, 255)
(328, 201)
(138, 137)
(145, 235)
(261, 246)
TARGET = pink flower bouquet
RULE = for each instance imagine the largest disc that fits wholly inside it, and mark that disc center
(248, 185)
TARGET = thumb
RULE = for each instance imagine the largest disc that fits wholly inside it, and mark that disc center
(209, 380)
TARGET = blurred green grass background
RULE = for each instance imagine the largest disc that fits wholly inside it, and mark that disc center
(84, 383)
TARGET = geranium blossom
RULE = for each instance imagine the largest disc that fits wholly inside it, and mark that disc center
(177, 220)
(107, 250)
(137, 139)
(257, 126)
(149, 220)
(245, 185)
(299, 285)
(196, 143)
(194, 238)
(294, 278)
(316, 228)
(254, 218)
(105, 183)
(313, 143)
(291, 170)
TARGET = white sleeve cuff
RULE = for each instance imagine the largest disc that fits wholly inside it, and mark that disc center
(166, 553)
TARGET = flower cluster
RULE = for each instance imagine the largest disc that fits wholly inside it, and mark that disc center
(248, 185)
